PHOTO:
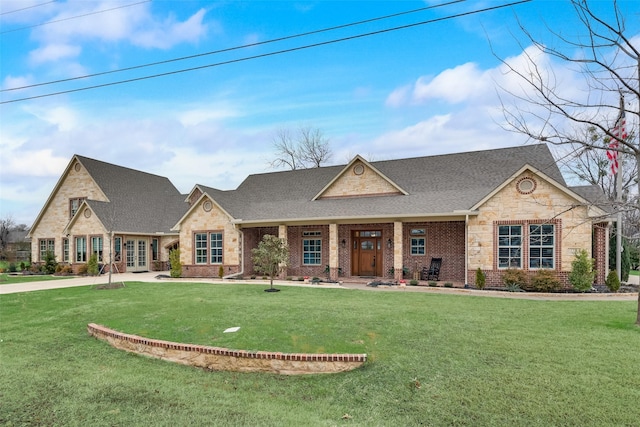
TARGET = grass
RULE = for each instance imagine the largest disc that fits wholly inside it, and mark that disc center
(6, 279)
(433, 359)
(634, 272)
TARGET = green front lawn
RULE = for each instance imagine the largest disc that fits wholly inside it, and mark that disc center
(7, 279)
(433, 359)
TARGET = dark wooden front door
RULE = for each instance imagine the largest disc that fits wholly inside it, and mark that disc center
(367, 253)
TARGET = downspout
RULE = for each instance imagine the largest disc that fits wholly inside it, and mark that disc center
(241, 272)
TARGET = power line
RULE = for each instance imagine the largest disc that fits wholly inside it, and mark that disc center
(74, 17)
(28, 7)
(264, 55)
(135, 67)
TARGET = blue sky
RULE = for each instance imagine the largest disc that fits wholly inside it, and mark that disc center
(425, 90)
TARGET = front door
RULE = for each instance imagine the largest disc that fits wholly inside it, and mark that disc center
(367, 253)
(137, 255)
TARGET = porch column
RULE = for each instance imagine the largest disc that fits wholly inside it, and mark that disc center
(334, 260)
(397, 250)
(282, 234)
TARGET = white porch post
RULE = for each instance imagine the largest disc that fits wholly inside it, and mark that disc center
(334, 260)
(397, 250)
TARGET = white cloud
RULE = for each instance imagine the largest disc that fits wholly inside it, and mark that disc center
(198, 116)
(171, 32)
(454, 85)
(54, 52)
(18, 81)
(63, 118)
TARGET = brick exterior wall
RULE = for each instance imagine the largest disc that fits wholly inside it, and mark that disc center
(600, 238)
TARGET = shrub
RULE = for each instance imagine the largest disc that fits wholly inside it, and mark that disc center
(50, 263)
(66, 270)
(12, 268)
(448, 285)
(612, 281)
(545, 281)
(82, 269)
(23, 267)
(512, 278)
(582, 273)
(176, 265)
(92, 265)
(220, 271)
(413, 282)
(433, 284)
(481, 278)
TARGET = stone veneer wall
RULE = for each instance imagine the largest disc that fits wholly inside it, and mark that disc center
(222, 359)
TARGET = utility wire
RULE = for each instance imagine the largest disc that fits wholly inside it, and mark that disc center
(230, 49)
(264, 55)
(28, 7)
(74, 17)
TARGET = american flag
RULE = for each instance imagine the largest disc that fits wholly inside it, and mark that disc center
(619, 134)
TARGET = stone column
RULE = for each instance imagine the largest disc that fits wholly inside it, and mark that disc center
(282, 234)
(397, 250)
(334, 259)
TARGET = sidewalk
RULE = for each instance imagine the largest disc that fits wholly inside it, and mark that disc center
(162, 276)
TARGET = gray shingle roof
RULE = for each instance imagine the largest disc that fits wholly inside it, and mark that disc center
(139, 202)
(436, 185)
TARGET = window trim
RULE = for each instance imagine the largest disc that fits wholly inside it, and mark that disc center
(76, 251)
(100, 251)
(75, 199)
(206, 254)
(49, 246)
(525, 248)
(66, 249)
(314, 249)
(414, 246)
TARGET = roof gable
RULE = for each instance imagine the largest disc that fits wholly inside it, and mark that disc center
(359, 179)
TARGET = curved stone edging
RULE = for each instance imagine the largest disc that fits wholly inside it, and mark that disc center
(223, 359)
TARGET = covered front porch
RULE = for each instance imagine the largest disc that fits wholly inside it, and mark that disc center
(367, 251)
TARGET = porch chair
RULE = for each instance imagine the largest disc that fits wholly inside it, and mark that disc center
(433, 271)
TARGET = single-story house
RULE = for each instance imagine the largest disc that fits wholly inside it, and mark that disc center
(492, 209)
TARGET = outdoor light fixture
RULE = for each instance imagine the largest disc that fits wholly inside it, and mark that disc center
(344, 243)
(389, 243)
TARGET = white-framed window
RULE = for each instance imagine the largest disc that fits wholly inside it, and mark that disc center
(154, 249)
(311, 248)
(541, 246)
(81, 249)
(117, 248)
(47, 245)
(96, 247)
(74, 205)
(200, 242)
(510, 246)
(216, 248)
(65, 250)
(418, 246)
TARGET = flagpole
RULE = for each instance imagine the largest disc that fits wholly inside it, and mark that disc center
(620, 158)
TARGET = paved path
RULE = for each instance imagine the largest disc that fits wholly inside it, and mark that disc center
(159, 277)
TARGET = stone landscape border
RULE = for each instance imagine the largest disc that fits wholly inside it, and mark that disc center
(223, 359)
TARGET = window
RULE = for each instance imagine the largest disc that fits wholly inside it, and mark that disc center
(74, 205)
(541, 245)
(154, 249)
(510, 246)
(96, 247)
(65, 250)
(216, 248)
(201, 248)
(47, 245)
(417, 246)
(311, 251)
(117, 248)
(81, 249)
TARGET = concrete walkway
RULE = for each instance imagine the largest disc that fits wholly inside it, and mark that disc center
(162, 276)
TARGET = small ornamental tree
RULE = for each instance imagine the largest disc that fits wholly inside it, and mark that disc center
(612, 281)
(271, 256)
(176, 265)
(50, 263)
(481, 278)
(582, 273)
(92, 265)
